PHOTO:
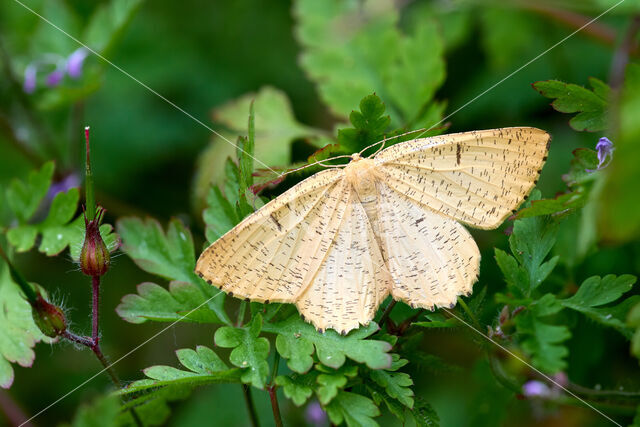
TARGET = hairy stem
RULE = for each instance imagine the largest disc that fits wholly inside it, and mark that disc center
(253, 416)
(95, 312)
(273, 395)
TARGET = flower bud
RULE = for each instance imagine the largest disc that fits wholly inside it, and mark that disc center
(94, 256)
(49, 318)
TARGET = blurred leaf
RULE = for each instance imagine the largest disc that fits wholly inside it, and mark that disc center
(397, 384)
(351, 48)
(379, 395)
(149, 396)
(352, 408)
(633, 320)
(591, 105)
(184, 301)
(250, 351)
(296, 341)
(18, 334)
(24, 197)
(275, 129)
(295, 388)
(102, 412)
(171, 256)
(618, 214)
(330, 381)
(108, 23)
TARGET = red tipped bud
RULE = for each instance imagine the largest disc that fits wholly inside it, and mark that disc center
(94, 256)
(49, 318)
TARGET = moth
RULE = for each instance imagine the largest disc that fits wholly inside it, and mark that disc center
(339, 242)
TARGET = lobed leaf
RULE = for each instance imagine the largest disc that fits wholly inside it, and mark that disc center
(24, 197)
(250, 351)
(352, 408)
(295, 388)
(297, 340)
(591, 105)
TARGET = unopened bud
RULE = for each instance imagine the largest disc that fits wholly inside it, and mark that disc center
(49, 318)
(504, 315)
(94, 256)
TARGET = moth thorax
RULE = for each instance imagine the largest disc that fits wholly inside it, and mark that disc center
(361, 174)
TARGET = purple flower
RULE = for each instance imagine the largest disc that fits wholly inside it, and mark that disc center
(75, 62)
(535, 388)
(605, 148)
(315, 415)
(30, 78)
(70, 181)
(55, 77)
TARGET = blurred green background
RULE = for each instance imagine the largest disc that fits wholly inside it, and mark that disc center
(202, 55)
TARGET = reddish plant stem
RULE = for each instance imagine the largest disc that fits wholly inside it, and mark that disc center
(12, 411)
(95, 282)
(274, 405)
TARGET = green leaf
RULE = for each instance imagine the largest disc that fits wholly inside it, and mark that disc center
(633, 321)
(397, 384)
(102, 412)
(149, 396)
(24, 197)
(596, 291)
(352, 408)
(369, 125)
(379, 395)
(543, 341)
(331, 381)
(275, 128)
(108, 23)
(297, 339)
(514, 274)
(171, 256)
(19, 333)
(295, 387)
(220, 216)
(249, 352)
(183, 301)
(591, 105)
(370, 53)
(424, 414)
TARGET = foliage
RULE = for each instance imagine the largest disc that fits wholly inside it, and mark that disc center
(556, 296)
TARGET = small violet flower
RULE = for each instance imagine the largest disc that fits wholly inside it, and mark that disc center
(605, 148)
(315, 415)
(535, 388)
(75, 62)
(71, 66)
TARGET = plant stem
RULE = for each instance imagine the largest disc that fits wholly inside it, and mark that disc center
(387, 312)
(253, 416)
(273, 395)
(95, 312)
(12, 410)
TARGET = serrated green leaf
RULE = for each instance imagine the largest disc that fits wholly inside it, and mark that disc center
(166, 383)
(543, 341)
(220, 216)
(295, 389)
(397, 384)
(172, 256)
(596, 291)
(379, 395)
(352, 408)
(24, 197)
(297, 339)
(183, 301)
(514, 274)
(19, 333)
(369, 125)
(331, 381)
(591, 105)
(424, 414)
(249, 352)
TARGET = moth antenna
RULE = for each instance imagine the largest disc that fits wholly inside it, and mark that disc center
(423, 130)
(319, 162)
